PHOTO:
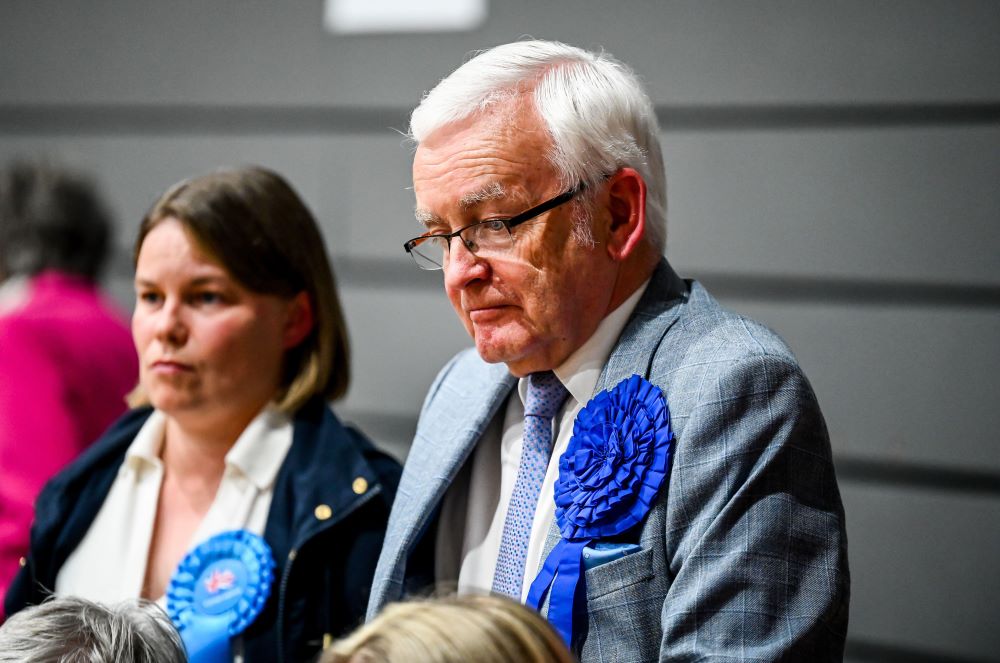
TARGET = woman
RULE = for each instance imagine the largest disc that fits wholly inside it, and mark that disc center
(454, 629)
(241, 342)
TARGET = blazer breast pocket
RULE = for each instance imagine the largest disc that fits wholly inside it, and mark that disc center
(620, 573)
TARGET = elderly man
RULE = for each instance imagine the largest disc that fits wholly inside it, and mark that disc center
(648, 469)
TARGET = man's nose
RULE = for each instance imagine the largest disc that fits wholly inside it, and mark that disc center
(462, 266)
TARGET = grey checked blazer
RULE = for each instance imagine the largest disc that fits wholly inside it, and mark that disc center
(744, 556)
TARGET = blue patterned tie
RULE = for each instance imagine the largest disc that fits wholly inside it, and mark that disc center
(544, 398)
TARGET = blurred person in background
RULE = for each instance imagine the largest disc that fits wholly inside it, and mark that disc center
(74, 630)
(66, 356)
(242, 344)
(455, 629)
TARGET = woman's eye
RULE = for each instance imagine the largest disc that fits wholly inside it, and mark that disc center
(149, 297)
(209, 297)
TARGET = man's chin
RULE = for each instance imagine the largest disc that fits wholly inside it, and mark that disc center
(519, 364)
(490, 354)
(493, 352)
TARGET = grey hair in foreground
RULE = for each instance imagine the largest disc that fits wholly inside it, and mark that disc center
(595, 109)
(73, 630)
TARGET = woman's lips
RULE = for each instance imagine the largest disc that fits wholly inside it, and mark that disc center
(171, 367)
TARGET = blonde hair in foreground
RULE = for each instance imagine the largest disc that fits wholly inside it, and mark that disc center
(486, 629)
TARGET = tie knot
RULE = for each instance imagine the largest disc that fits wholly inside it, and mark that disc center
(545, 395)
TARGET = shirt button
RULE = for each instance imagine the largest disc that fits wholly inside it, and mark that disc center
(360, 486)
(323, 512)
(22, 562)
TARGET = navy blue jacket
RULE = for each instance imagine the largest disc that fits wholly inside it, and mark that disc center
(324, 567)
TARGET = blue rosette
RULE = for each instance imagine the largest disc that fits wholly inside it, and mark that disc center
(609, 478)
(218, 590)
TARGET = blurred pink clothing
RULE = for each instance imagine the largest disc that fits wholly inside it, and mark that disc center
(66, 363)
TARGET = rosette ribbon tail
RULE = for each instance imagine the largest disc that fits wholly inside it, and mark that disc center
(561, 578)
(206, 639)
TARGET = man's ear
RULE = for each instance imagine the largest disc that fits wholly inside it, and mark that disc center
(299, 321)
(627, 206)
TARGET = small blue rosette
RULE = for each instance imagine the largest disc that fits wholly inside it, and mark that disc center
(218, 590)
(609, 478)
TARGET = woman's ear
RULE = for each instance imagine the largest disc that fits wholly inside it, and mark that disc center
(299, 320)
(627, 206)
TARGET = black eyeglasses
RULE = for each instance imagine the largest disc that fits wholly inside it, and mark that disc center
(484, 238)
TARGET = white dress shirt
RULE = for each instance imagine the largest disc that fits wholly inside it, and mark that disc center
(475, 507)
(109, 564)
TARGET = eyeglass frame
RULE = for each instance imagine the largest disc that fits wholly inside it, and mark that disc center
(510, 223)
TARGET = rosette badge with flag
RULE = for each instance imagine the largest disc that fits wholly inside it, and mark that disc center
(219, 589)
(609, 479)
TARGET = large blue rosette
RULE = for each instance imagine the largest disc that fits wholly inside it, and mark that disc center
(609, 478)
(218, 590)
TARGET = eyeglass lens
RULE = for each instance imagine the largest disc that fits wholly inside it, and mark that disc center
(484, 239)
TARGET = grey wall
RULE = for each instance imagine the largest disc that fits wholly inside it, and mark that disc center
(833, 171)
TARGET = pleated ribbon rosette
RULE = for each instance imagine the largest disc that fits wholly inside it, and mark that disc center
(609, 479)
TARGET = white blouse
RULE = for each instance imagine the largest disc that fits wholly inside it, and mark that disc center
(109, 564)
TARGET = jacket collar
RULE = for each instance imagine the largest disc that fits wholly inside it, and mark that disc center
(658, 309)
(449, 432)
(318, 470)
(322, 480)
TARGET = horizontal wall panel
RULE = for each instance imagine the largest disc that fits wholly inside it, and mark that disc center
(356, 186)
(689, 51)
(923, 572)
(908, 205)
(66, 119)
(399, 343)
(917, 204)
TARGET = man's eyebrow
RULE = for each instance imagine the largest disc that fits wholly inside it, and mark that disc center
(424, 217)
(492, 191)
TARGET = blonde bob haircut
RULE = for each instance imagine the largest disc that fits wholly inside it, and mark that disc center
(454, 629)
(252, 221)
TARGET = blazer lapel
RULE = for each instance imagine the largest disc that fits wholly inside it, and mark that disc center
(451, 426)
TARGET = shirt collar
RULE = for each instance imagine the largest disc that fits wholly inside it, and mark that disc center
(261, 448)
(257, 454)
(582, 369)
(148, 443)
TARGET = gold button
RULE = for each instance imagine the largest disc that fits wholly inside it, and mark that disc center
(323, 512)
(22, 562)
(359, 486)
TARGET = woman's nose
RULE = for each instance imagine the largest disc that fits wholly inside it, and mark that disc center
(170, 326)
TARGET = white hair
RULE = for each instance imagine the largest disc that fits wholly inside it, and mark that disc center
(594, 107)
(73, 630)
